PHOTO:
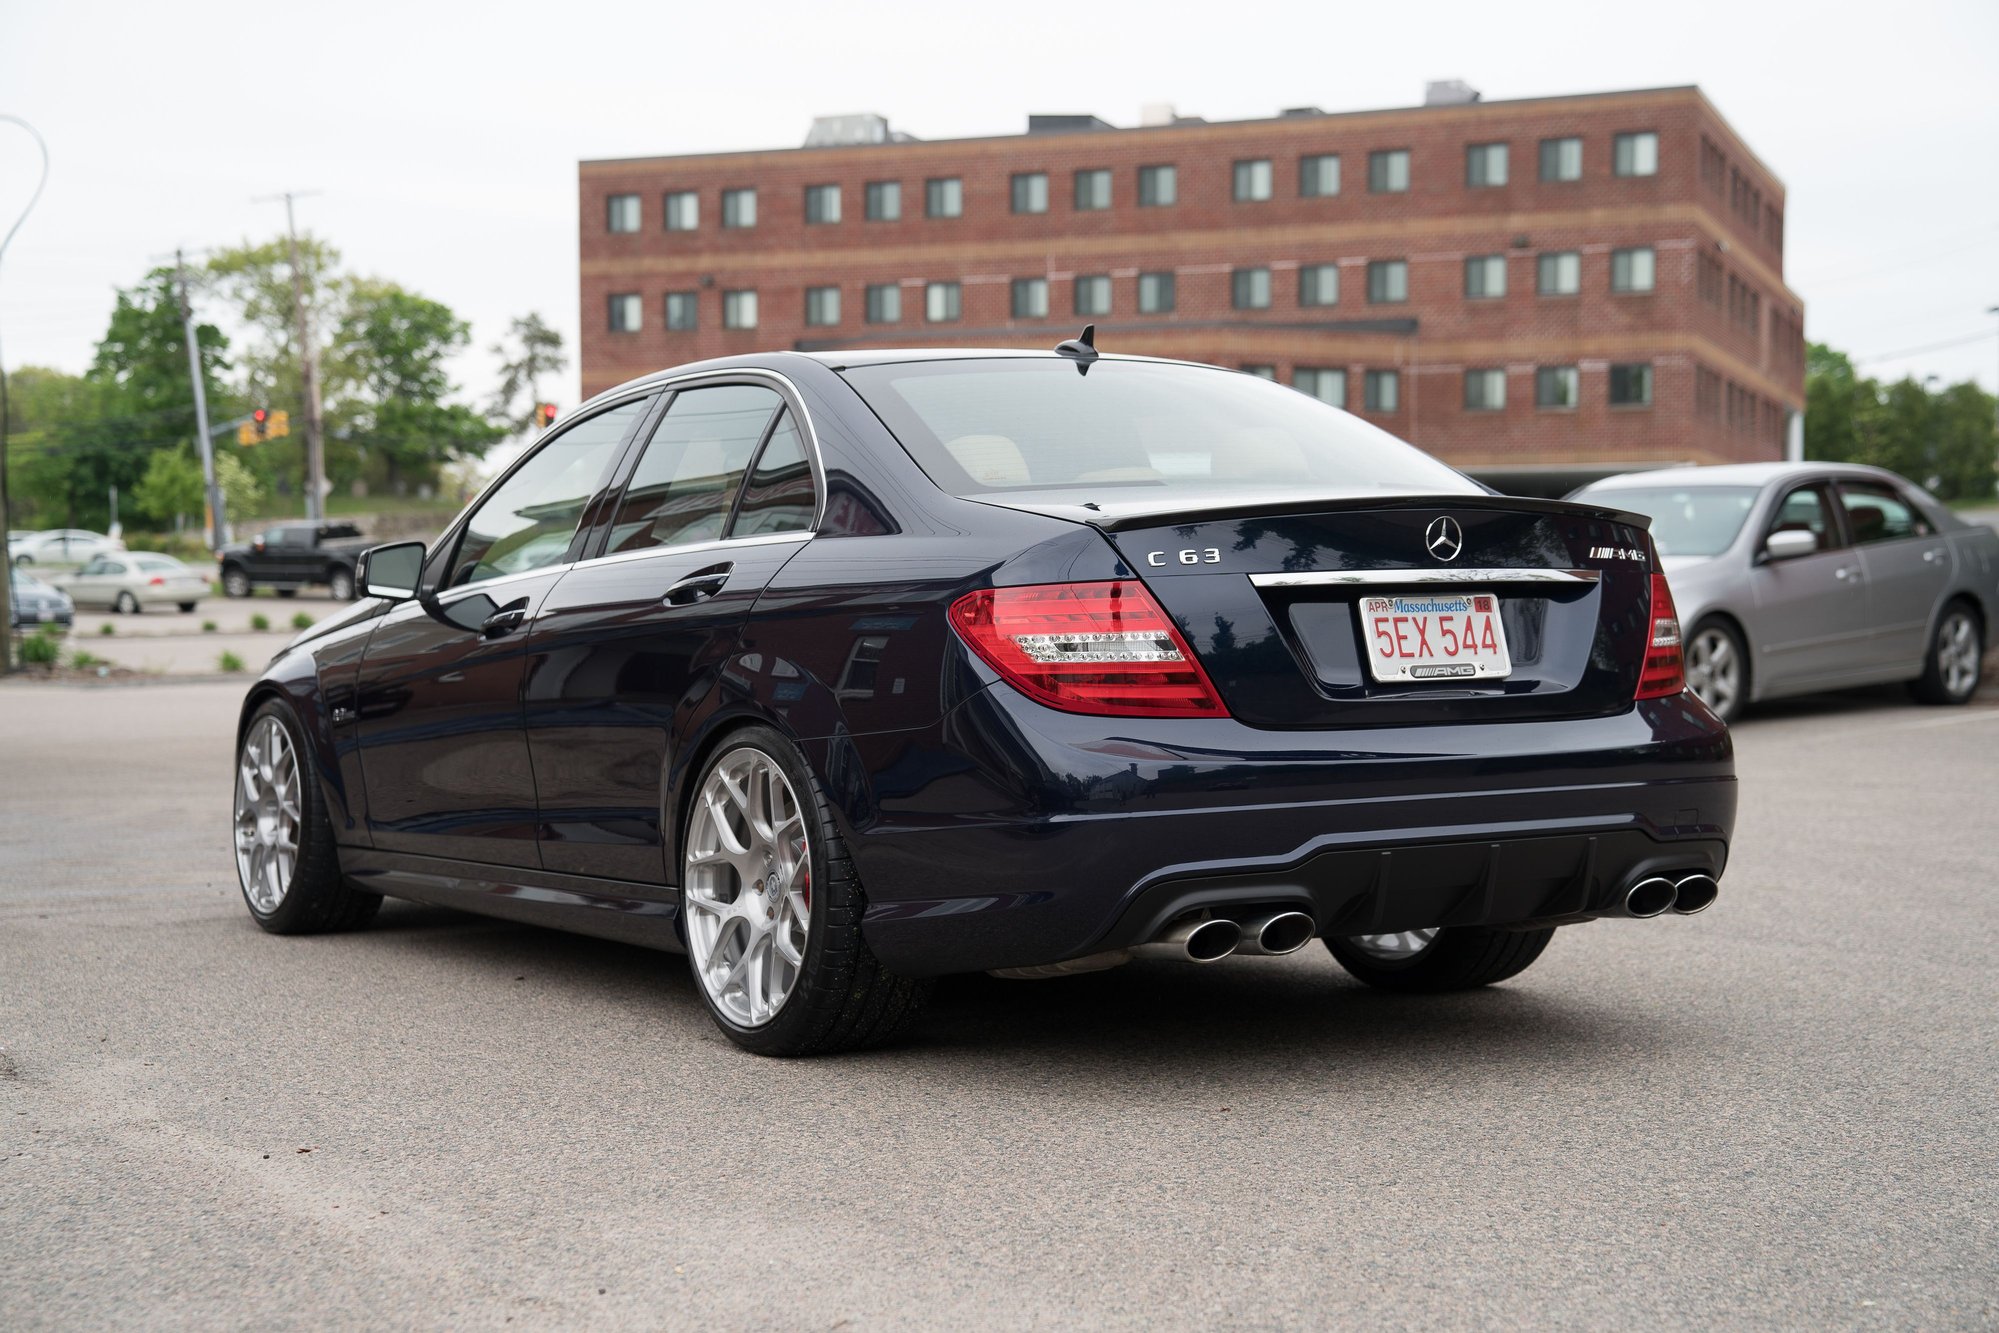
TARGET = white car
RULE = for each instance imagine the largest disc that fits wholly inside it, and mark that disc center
(129, 581)
(60, 546)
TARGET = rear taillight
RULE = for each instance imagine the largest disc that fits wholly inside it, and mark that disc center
(1665, 672)
(157, 581)
(1103, 648)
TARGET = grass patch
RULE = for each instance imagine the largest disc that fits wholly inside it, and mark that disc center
(301, 621)
(208, 627)
(230, 662)
(106, 630)
(40, 650)
(260, 621)
(84, 661)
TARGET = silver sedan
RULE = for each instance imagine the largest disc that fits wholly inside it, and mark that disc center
(1796, 577)
(130, 581)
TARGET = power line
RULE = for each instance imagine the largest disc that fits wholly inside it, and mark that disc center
(1930, 347)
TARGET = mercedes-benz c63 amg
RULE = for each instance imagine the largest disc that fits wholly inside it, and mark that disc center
(840, 672)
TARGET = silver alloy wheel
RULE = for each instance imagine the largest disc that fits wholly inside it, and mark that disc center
(1957, 653)
(1714, 670)
(127, 604)
(267, 815)
(1397, 947)
(748, 887)
(341, 585)
(235, 583)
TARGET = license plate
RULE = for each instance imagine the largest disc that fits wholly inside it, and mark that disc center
(1438, 636)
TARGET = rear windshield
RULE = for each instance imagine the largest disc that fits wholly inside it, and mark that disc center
(159, 564)
(981, 426)
(1687, 520)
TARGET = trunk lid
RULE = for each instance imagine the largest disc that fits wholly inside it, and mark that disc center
(1270, 595)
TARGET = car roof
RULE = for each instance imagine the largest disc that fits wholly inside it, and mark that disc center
(1735, 474)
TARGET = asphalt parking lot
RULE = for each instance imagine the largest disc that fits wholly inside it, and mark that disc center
(1779, 1114)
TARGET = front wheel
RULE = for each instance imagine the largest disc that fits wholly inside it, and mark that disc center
(1444, 958)
(341, 584)
(773, 911)
(286, 865)
(1956, 658)
(235, 582)
(1718, 668)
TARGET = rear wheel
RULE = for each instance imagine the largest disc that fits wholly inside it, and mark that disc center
(1718, 668)
(1441, 959)
(1956, 658)
(126, 605)
(773, 911)
(287, 592)
(187, 608)
(286, 865)
(235, 581)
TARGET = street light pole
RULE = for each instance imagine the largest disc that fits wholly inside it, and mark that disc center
(7, 583)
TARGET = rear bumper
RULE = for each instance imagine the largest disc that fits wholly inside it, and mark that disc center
(1011, 835)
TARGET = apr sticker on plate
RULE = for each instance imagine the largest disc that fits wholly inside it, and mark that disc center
(1440, 636)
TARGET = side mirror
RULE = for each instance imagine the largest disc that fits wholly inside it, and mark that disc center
(1791, 544)
(392, 571)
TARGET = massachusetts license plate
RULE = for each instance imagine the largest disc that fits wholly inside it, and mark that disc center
(1437, 636)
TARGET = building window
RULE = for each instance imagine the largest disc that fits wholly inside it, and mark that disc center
(822, 203)
(1485, 277)
(1559, 273)
(1030, 192)
(943, 302)
(884, 201)
(1155, 293)
(621, 213)
(1388, 171)
(1261, 372)
(683, 210)
(1252, 181)
(1381, 390)
(1093, 295)
(1387, 281)
(1249, 289)
(1635, 154)
(1328, 386)
(739, 310)
(1319, 284)
(1485, 390)
(822, 306)
(1561, 159)
(884, 303)
(1631, 385)
(627, 311)
(1030, 298)
(680, 311)
(1556, 386)
(1158, 187)
(943, 197)
(739, 208)
(1093, 190)
(1485, 165)
(1633, 270)
(1319, 177)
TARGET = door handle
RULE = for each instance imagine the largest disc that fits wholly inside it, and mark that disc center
(505, 620)
(1932, 555)
(698, 586)
(1846, 572)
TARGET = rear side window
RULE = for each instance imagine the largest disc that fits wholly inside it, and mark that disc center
(984, 425)
(1876, 513)
(686, 481)
(778, 496)
(528, 520)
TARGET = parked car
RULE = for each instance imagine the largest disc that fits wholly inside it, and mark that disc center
(130, 581)
(34, 602)
(291, 556)
(1797, 577)
(60, 546)
(841, 672)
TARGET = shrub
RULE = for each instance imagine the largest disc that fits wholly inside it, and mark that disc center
(301, 621)
(260, 621)
(39, 650)
(107, 629)
(230, 662)
(208, 627)
(84, 661)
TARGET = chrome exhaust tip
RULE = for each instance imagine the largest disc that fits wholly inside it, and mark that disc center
(1650, 897)
(1199, 940)
(1278, 933)
(1695, 893)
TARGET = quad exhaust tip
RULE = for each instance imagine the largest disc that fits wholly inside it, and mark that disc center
(1695, 893)
(1200, 940)
(1278, 933)
(1650, 897)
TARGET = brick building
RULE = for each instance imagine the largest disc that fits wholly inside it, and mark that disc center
(1571, 283)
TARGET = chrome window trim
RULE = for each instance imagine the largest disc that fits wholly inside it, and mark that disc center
(447, 596)
(718, 544)
(1376, 577)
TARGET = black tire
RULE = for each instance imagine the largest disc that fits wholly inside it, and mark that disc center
(187, 608)
(287, 592)
(340, 582)
(320, 898)
(1459, 958)
(1725, 696)
(235, 581)
(844, 999)
(1939, 683)
(126, 605)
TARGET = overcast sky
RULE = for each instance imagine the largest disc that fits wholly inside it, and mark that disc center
(443, 139)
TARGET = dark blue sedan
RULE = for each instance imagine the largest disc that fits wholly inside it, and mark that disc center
(841, 672)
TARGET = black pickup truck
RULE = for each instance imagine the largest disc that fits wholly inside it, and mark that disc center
(291, 556)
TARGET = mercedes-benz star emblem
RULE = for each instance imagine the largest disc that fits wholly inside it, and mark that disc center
(1444, 538)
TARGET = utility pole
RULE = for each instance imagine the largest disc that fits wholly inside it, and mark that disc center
(210, 488)
(308, 374)
(7, 583)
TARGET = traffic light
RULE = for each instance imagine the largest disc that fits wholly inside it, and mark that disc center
(253, 431)
(280, 424)
(546, 415)
(261, 419)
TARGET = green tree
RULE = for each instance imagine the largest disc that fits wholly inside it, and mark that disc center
(257, 280)
(172, 488)
(530, 351)
(1941, 440)
(394, 344)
